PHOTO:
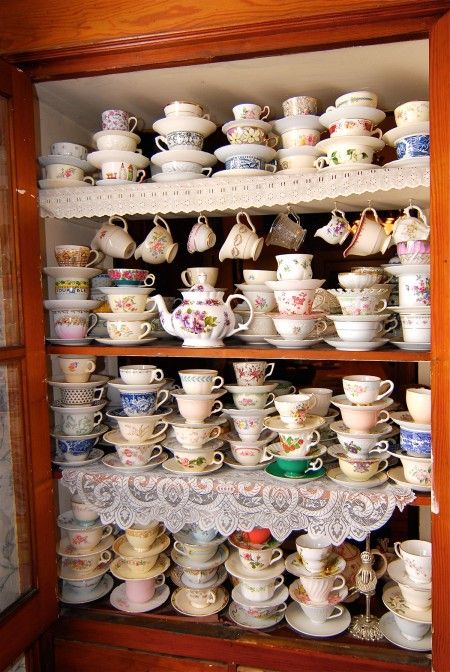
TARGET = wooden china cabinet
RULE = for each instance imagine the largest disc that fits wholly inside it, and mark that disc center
(49, 41)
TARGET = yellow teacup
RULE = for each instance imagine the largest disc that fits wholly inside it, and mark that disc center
(361, 470)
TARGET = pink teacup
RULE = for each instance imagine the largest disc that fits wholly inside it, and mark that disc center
(142, 590)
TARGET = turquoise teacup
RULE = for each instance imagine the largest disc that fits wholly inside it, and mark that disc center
(299, 467)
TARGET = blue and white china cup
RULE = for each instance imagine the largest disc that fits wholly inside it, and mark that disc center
(412, 146)
(248, 162)
(75, 450)
(180, 140)
(416, 443)
(142, 403)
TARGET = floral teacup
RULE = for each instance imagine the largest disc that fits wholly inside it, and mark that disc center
(255, 560)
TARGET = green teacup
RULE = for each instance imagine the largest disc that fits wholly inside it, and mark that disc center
(298, 467)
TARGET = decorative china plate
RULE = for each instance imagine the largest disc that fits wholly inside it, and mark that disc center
(119, 600)
(418, 347)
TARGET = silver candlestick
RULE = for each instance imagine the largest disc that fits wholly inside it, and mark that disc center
(365, 626)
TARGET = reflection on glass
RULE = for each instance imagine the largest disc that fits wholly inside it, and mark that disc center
(15, 544)
(19, 666)
(9, 302)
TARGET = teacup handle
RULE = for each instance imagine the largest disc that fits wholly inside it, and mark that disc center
(159, 221)
(214, 433)
(272, 141)
(158, 374)
(107, 531)
(331, 108)
(93, 319)
(337, 611)
(161, 397)
(321, 326)
(270, 168)
(241, 325)
(279, 580)
(366, 210)
(390, 387)
(158, 140)
(269, 370)
(105, 557)
(98, 417)
(280, 609)
(407, 212)
(315, 441)
(160, 580)
(315, 465)
(277, 555)
(207, 171)
(340, 214)
(380, 306)
(242, 213)
(98, 256)
(149, 280)
(270, 399)
(321, 163)
(184, 279)
(380, 572)
(392, 324)
(397, 549)
(161, 431)
(340, 585)
(132, 123)
(206, 116)
(266, 456)
(150, 304)
(157, 450)
(98, 393)
(264, 112)
(217, 407)
(121, 220)
(140, 175)
(380, 447)
(217, 383)
(385, 417)
(138, 151)
(382, 466)
(145, 328)
(178, 547)
(218, 458)
(378, 132)
(89, 179)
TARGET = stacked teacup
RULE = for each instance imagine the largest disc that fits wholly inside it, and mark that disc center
(117, 156)
(352, 124)
(77, 407)
(262, 300)
(250, 151)
(65, 166)
(300, 130)
(409, 602)
(319, 590)
(182, 133)
(198, 572)
(411, 234)
(259, 598)
(131, 311)
(85, 555)
(415, 441)
(140, 425)
(411, 137)
(298, 317)
(140, 563)
(362, 451)
(195, 428)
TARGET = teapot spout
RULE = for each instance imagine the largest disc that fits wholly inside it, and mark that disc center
(164, 315)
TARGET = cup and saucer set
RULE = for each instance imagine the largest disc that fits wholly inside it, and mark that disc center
(411, 136)
(65, 167)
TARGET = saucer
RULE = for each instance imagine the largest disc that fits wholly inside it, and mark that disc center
(125, 342)
(241, 618)
(274, 470)
(124, 549)
(71, 304)
(242, 172)
(175, 468)
(299, 622)
(296, 171)
(69, 341)
(317, 451)
(185, 538)
(392, 633)
(235, 567)
(178, 177)
(280, 595)
(67, 550)
(356, 346)
(276, 424)
(113, 462)
(119, 569)
(414, 161)
(418, 347)
(394, 601)
(337, 476)
(294, 121)
(95, 455)
(176, 576)
(253, 339)
(69, 575)
(68, 159)
(181, 603)
(294, 343)
(63, 272)
(217, 559)
(115, 183)
(120, 601)
(397, 572)
(405, 421)
(194, 155)
(69, 596)
(354, 165)
(398, 475)
(63, 184)
(352, 112)
(335, 565)
(231, 462)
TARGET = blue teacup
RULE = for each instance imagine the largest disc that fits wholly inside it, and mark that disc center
(142, 403)
(199, 535)
(247, 162)
(412, 146)
(75, 450)
(417, 443)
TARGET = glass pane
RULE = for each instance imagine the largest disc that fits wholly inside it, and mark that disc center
(15, 545)
(9, 302)
(19, 666)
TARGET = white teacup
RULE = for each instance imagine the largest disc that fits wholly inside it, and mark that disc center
(195, 409)
(69, 149)
(253, 276)
(416, 328)
(254, 560)
(196, 436)
(319, 613)
(197, 577)
(200, 381)
(294, 266)
(62, 171)
(318, 588)
(313, 551)
(201, 236)
(115, 170)
(411, 629)
(88, 538)
(294, 407)
(197, 459)
(416, 554)
(362, 390)
(418, 402)
(262, 590)
(121, 330)
(251, 111)
(336, 230)
(192, 276)
(201, 597)
(197, 553)
(158, 247)
(244, 399)
(323, 397)
(83, 513)
(356, 331)
(79, 421)
(114, 240)
(242, 242)
(130, 301)
(249, 455)
(417, 600)
(140, 374)
(77, 369)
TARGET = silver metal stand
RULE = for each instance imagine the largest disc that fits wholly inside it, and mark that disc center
(365, 626)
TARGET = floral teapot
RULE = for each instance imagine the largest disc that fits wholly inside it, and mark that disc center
(202, 319)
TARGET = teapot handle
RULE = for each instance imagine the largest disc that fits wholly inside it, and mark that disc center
(243, 325)
(242, 213)
(159, 221)
(117, 218)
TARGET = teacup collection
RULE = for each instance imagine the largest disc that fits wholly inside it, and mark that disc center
(66, 166)
(411, 136)
(299, 129)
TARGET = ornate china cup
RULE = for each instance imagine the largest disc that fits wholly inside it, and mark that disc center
(254, 276)
(196, 552)
(418, 402)
(293, 408)
(299, 105)
(245, 399)
(83, 514)
(296, 442)
(294, 266)
(254, 373)
(416, 554)
(142, 403)
(131, 277)
(263, 614)
(197, 459)
(295, 302)
(158, 247)
(414, 252)
(416, 443)
(362, 418)
(199, 535)
(248, 423)
(362, 390)
(353, 127)
(248, 131)
(412, 112)
(323, 399)
(195, 436)
(87, 539)
(250, 456)
(362, 469)
(133, 454)
(140, 374)
(136, 300)
(358, 280)
(319, 588)
(69, 149)
(75, 450)
(299, 326)
(370, 236)
(299, 137)
(82, 565)
(360, 98)
(139, 428)
(417, 600)
(411, 146)
(417, 470)
(180, 140)
(356, 302)
(254, 560)
(261, 301)
(77, 369)
(141, 537)
(124, 141)
(313, 551)
(195, 408)
(200, 381)
(361, 445)
(260, 590)
(78, 421)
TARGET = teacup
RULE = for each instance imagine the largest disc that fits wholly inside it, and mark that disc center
(416, 328)
(79, 421)
(196, 553)
(363, 418)
(73, 323)
(69, 149)
(183, 167)
(197, 459)
(416, 554)
(244, 399)
(418, 401)
(137, 455)
(295, 301)
(200, 381)
(139, 428)
(77, 369)
(248, 162)
(300, 137)
(345, 152)
(79, 395)
(195, 408)
(362, 469)
(142, 537)
(118, 120)
(370, 237)
(193, 276)
(297, 467)
(140, 374)
(202, 536)
(197, 577)
(246, 131)
(411, 630)
(242, 242)
(361, 98)
(253, 276)
(286, 231)
(297, 443)
(255, 560)
(320, 613)
(131, 301)
(75, 450)
(250, 456)
(196, 436)
(142, 403)
(354, 330)
(201, 597)
(201, 236)
(87, 539)
(82, 565)
(83, 513)
(298, 105)
(416, 443)
(336, 230)
(417, 600)
(322, 396)
(114, 240)
(297, 162)
(77, 255)
(83, 586)
(252, 373)
(141, 591)
(180, 140)
(139, 565)
(71, 288)
(251, 111)
(356, 302)
(283, 387)
(261, 615)
(125, 330)
(313, 551)
(63, 171)
(118, 170)
(260, 590)
(294, 407)
(299, 327)
(361, 445)
(358, 127)
(121, 141)
(180, 108)
(101, 280)
(363, 390)
(413, 111)
(318, 588)
(158, 247)
(294, 266)
(248, 424)
(412, 146)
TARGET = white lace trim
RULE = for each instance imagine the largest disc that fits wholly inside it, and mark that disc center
(385, 188)
(236, 501)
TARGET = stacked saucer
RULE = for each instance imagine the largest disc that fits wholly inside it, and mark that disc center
(411, 137)
(128, 323)
(65, 167)
(263, 302)
(300, 131)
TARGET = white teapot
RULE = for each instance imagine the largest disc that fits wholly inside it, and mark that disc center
(202, 319)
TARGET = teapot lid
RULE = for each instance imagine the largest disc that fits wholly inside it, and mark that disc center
(202, 285)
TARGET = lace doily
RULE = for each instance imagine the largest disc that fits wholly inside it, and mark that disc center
(232, 500)
(385, 188)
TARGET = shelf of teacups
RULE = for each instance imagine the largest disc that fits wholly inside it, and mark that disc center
(385, 188)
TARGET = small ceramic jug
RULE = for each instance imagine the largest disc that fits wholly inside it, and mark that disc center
(337, 229)
(242, 242)
(158, 247)
(114, 240)
(407, 227)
